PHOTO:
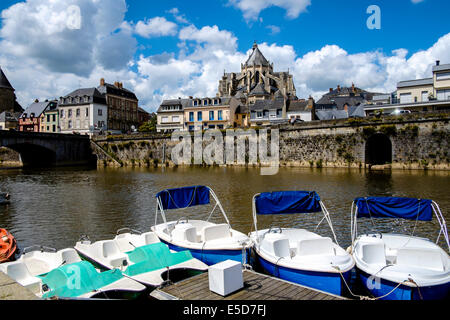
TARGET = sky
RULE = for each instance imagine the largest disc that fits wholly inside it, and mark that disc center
(168, 49)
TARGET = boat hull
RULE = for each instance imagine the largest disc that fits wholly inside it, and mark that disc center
(403, 292)
(210, 256)
(330, 282)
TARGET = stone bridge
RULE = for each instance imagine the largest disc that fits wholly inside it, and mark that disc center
(49, 149)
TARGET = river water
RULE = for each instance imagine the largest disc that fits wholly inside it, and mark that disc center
(54, 207)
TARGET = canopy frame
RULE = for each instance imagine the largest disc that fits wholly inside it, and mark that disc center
(324, 210)
(437, 212)
(160, 208)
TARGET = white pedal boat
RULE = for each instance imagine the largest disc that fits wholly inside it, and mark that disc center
(62, 274)
(299, 255)
(397, 266)
(209, 242)
(142, 257)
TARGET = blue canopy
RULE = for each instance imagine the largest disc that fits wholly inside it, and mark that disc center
(185, 197)
(391, 207)
(287, 202)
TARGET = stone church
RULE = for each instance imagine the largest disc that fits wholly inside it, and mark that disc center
(8, 100)
(257, 81)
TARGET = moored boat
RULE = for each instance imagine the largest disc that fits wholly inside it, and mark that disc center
(62, 274)
(299, 255)
(140, 256)
(399, 266)
(8, 246)
(207, 241)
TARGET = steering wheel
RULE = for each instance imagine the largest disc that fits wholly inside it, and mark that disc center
(274, 230)
(179, 220)
(375, 234)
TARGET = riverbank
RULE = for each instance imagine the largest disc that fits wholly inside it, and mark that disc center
(404, 144)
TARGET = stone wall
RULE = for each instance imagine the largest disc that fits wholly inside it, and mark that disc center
(415, 144)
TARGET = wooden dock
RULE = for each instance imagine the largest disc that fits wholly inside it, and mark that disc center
(257, 286)
(11, 290)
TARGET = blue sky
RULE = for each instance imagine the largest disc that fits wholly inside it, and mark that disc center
(166, 49)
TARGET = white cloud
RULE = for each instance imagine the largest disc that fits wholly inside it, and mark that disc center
(273, 29)
(156, 27)
(252, 8)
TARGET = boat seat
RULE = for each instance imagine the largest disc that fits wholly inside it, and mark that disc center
(184, 232)
(374, 253)
(19, 272)
(214, 232)
(318, 246)
(112, 253)
(150, 237)
(69, 256)
(420, 257)
(276, 244)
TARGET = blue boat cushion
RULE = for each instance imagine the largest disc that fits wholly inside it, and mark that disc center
(78, 278)
(153, 257)
(287, 202)
(392, 207)
(180, 198)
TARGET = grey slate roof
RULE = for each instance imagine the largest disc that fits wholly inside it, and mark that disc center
(267, 105)
(297, 105)
(339, 102)
(242, 109)
(93, 93)
(37, 108)
(413, 83)
(112, 89)
(356, 112)
(258, 90)
(4, 83)
(257, 58)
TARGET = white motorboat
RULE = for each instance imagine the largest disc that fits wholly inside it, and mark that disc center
(207, 241)
(62, 274)
(399, 266)
(299, 255)
(142, 257)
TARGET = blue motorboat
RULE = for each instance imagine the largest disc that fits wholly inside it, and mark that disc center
(299, 255)
(207, 241)
(398, 266)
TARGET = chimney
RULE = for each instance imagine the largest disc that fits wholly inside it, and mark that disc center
(102, 82)
(120, 85)
(331, 90)
(339, 88)
(36, 100)
(353, 87)
(438, 62)
(116, 84)
(190, 97)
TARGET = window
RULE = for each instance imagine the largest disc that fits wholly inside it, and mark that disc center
(259, 114)
(443, 94)
(176, 119)
(405, 98)
(216, 101)
(54, 128)
(62, 113)
(199, 116)
(86, 112)
(70, 124)
(48, 118)
(78, 112)
(164, 119)
(211, 115)
(205, 102)
(195, 103)
(424, 96)
(219, 115)
(191, 116)
(48, 128)
(54, 117)
(70, 113)
(443, 76)
(100, 112)
(191, 128)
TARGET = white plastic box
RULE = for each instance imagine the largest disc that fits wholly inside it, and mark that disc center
(225, 277)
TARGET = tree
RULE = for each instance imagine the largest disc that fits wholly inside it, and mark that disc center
(150, 125)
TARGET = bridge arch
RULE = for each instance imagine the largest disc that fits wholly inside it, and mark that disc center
(33, 155)
(378, 149)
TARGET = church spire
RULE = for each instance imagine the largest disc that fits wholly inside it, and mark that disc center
(4, 83)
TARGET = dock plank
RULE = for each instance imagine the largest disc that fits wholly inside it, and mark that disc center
(257, 286)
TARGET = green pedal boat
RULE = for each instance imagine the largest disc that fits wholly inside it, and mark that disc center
(142, 257)
(62, 274)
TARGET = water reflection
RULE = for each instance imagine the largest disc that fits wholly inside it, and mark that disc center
(55, 207)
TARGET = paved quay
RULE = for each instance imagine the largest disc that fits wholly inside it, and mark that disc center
(11, 290)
